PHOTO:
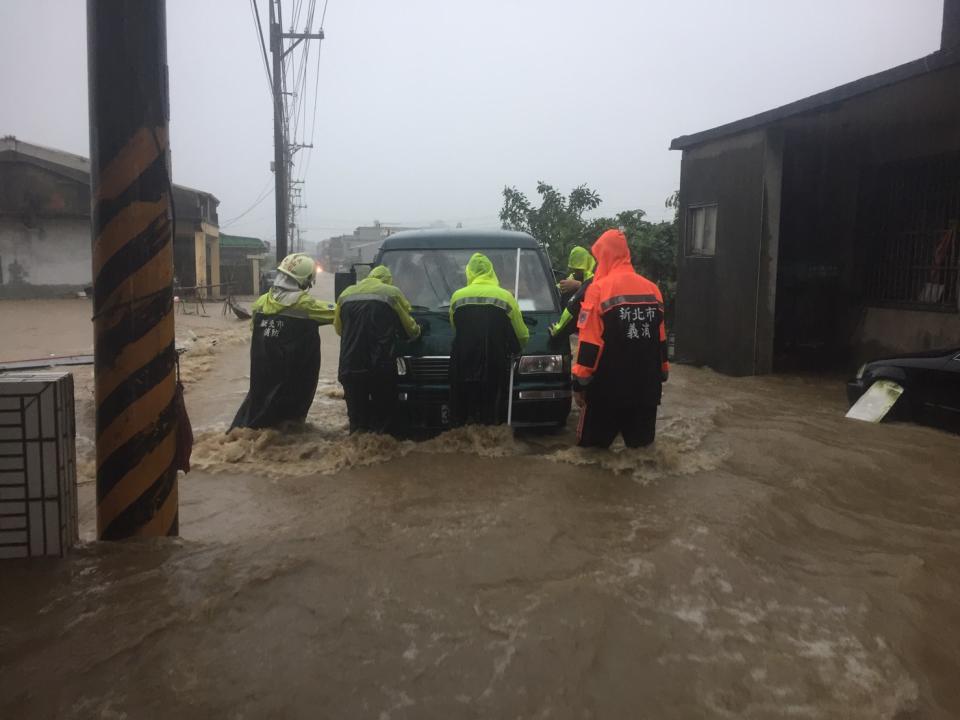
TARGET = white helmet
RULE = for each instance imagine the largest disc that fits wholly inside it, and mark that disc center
(300, 268)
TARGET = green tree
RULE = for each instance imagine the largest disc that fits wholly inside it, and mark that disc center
(559, 224)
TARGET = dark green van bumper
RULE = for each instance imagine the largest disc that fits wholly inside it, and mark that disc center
(538, 401)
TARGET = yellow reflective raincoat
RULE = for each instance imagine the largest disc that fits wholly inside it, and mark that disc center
(483, 288)
(285, 298)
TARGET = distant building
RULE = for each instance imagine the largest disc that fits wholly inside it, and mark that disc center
(824, 232)
(338, 253)
(45, 243)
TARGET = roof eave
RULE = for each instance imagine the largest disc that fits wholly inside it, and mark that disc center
(821, 101)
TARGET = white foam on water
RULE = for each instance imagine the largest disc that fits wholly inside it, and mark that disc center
(679, 449)
(640, 567)
(327, 449)
(693, 615)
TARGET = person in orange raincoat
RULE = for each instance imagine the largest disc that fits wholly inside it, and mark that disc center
(621, 360)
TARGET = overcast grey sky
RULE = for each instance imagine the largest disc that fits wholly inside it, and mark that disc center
(429, 107)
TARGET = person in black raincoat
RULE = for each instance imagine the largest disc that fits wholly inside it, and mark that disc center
(285, 348)
(489, 330)
(371, 318)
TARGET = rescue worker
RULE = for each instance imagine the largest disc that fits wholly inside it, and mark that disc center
(580, 265)
(285, 348)
(567, 324)
(488, 331)
(621, 359)
(372, 317)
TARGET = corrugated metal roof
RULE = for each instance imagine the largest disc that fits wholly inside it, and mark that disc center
(70, 161)
(820, 101)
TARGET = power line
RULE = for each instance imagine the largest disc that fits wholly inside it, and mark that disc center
(316, 95)
(300, 73)
(290, 73)
(263, 196)
(263, 47)
(316, 86)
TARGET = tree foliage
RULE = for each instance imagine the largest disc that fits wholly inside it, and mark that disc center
(558, 223)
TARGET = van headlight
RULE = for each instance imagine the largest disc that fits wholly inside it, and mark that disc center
(861, 371)
(541, 364)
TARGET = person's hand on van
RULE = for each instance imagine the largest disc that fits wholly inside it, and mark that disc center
(569, 285)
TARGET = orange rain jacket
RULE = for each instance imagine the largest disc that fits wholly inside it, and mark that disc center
(622, 354)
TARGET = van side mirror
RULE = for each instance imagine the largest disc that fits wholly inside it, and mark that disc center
(343, 280)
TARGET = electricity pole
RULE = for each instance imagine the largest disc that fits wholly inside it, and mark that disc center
(279, 136)
(282, 155)
(135, 375)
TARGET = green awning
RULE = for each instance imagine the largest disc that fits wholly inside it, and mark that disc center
(251, 244)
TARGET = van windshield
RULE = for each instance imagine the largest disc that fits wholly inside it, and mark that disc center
(429, 277)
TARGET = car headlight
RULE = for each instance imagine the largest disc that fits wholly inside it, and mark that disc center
(401, 366)
(541, 364)
(861, 371)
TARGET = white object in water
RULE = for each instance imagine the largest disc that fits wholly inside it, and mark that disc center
(876, 402)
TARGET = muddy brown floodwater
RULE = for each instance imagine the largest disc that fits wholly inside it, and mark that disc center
(766, 559)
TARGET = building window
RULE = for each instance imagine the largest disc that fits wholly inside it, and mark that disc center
(702, 230)
(910, 242)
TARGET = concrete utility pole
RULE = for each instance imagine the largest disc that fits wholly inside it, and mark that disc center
(282, 149)
(132, 235)
(279, 134)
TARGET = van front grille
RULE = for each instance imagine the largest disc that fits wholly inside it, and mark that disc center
(432, 369)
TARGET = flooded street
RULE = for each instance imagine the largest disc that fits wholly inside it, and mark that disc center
(765, 559)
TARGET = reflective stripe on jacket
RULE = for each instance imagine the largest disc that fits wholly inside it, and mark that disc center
(376, 287)
(372, 318)
(285, 298)
(483, 288)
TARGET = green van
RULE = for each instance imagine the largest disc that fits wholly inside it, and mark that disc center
(428, 265)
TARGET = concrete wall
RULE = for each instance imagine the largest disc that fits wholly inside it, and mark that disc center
(45, 225)
(885, 332)
(786, 288)
(817, 284)
(724, 301)
(54, 253)
(27, 191)
(832, 161)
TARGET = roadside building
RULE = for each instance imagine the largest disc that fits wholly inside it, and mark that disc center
(825, 231)
(241, 260)
(45, 242)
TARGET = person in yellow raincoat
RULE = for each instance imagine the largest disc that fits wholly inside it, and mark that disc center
(285, 348)
(488, 331)
(372, 319)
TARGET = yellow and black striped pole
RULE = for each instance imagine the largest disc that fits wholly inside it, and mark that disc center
(132, 235)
